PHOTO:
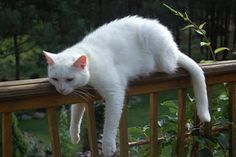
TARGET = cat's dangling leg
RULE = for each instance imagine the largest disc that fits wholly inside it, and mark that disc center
(113, 109)
(77, 112)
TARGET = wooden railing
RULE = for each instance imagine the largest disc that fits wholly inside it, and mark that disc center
(38, 93)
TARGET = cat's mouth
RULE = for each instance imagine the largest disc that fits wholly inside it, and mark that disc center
(64, 92)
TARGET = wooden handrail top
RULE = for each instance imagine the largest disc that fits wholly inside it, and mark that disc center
(40, 87)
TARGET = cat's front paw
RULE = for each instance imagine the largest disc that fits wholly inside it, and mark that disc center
(108, 148)
(74, 135)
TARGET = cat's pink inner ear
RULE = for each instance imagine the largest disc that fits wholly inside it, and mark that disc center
(49, 58)
(80, 62)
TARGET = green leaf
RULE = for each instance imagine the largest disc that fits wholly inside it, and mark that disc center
(207, 61)
(201, 32)
(202, 25)
(188, 26)
(171, 9)
(180, 14)
(205, 44)
(186, 16)
(221, 49)
(222, 139)
(205, 152)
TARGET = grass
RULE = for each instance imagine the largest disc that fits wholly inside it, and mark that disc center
(37, 127)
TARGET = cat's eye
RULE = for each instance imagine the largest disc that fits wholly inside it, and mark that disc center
(69, 79)
(54, 79)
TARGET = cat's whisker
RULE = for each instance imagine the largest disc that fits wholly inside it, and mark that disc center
(79, 94)
(83, 93)
(86, 92)
(87, 87)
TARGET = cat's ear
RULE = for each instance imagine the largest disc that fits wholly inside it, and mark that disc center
(81, 62)
(49, 57)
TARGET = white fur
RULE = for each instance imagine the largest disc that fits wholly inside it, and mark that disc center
(118, 52)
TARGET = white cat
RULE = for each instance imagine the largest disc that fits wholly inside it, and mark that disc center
(111, 56)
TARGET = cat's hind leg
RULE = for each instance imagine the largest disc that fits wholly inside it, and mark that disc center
(77, 112)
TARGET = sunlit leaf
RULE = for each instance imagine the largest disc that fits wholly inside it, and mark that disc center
(171, 9)
(188, 26)
(201, 32)
(221, 49)
(186, 16)
(207, 61)
(202, 25)
(205, 44)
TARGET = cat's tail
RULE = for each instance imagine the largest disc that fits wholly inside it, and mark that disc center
(199, 86)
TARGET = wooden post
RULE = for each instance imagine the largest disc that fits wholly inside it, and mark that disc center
(124, 147)
(92, 129)
(181, 122)
(53, 131)
(232, 118)
(153, 125)
(7, 134)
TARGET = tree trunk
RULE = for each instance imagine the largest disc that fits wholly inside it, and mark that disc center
(17, 57)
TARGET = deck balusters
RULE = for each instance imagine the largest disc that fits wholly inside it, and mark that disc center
(181, 122)
(53, 131)
(7, 134)
(153, 124)
(90, 112)
(232, 119)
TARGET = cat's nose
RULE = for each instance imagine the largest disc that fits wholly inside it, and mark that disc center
(62, 90)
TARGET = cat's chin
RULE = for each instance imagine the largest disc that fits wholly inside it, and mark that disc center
(65, 93)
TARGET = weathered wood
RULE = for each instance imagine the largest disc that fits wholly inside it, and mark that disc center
(38, 93)
(37, 87)
(7, 134)
(124, 147)
(91, 123)
(181, 122)
(53, 131)
(38, 102)
(232, 119)
(153, 124)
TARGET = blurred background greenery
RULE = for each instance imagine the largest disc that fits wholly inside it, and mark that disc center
(28, 27)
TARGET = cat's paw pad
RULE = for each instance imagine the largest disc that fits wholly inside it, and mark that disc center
(75, 138)
(108, 149)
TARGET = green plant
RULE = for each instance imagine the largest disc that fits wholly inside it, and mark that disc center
(37, 147)
(199, 29)
(64, 134)
(197, 142)
(20, 146)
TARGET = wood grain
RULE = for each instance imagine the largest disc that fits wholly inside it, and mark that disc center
(153, 124)
(91, 123)
(53, 131)
(7, 134)
(38, 93)
(181, 122)
(232, 119)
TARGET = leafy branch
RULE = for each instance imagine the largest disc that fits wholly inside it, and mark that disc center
(199, 29)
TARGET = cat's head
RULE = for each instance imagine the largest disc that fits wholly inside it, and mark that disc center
(67, 72)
